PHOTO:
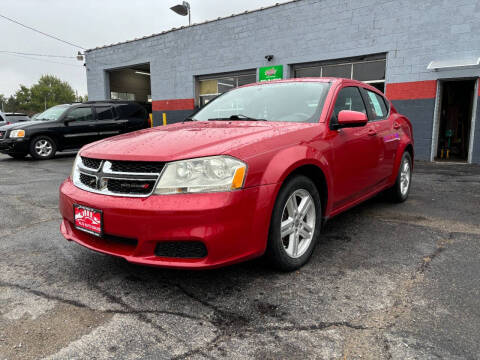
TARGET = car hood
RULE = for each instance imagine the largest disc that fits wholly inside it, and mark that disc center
(187, 140)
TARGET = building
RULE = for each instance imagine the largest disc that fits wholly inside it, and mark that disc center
(425, 55)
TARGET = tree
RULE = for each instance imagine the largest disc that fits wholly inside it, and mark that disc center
(3, 102)
(48, 92)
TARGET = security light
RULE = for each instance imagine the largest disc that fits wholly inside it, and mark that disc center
(183, 10)
(142, 73)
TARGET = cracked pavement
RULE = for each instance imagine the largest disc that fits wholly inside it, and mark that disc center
(387, 281)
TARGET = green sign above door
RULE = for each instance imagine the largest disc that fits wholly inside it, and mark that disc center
(268, 73)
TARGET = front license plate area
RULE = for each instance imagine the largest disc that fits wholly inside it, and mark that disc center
(88, 219)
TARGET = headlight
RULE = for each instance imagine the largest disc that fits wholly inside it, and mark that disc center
(209, 174)
(17, 133)
(75, 167)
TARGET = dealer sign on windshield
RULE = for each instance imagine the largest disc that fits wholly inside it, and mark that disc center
(88, 220)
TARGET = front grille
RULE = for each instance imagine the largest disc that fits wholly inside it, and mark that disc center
(118, 178)
(91, 163)
(181, 249)
(88, 180)
(2, 135)
(129, 187)
(138, 167)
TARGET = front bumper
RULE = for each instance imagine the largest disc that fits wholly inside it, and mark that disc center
(14, 146)
(233, 226)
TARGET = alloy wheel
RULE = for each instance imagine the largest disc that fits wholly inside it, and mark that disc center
(43, 148)
(298, 223)
(405, 175)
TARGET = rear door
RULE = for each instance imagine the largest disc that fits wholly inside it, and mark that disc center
(356, 151)
(107, 122)
(388, 136)
(80, 127)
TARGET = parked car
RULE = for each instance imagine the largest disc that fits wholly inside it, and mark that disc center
(258, 170)
(12, 118)
(70, 126)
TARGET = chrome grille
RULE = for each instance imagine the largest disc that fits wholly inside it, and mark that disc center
(91, 163)
(137, 166)
(117, 178)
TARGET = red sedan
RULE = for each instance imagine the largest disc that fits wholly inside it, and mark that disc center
(256, 171)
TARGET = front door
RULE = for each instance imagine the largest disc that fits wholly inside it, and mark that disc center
(356, 152)
(454, 129)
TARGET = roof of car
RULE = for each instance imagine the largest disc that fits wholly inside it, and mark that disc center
(110, 102)
(316, 79)
(14, 114)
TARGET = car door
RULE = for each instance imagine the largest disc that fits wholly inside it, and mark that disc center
(355, 151)
(107, 122)
(80, 127)
(388, 136)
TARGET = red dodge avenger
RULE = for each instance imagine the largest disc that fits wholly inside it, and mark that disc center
(256, 171)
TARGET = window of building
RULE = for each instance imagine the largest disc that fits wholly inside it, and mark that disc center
(369, 69)
(211, 86)
(122, 96)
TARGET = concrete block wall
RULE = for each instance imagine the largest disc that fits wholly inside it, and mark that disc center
(411, 32)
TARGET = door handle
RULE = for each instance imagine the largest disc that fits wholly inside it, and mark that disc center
(396, 125)
(372, 132)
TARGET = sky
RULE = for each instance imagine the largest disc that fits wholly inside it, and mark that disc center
(87, 23)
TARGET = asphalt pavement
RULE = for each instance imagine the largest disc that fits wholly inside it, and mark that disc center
(387, 281)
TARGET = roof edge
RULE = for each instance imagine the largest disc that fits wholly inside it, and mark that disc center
(193, 25)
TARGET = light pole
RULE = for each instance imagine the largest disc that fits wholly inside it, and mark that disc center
(184, 10)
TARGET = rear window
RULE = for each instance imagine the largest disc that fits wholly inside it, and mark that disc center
(104, 113)
(131, 111)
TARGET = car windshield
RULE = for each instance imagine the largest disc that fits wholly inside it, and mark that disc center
(284, 102)
(52, 114)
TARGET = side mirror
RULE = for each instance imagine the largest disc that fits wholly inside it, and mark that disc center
(68, 119)
(348, 118)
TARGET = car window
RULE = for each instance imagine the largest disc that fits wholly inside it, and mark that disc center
(348, 98)
(104, 113)
(80, 114)
(377, 106)
(52, 114)
(283, 102)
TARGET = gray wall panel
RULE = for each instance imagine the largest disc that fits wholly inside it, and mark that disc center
(420, 113)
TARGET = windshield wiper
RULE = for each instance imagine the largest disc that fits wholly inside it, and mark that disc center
(237, 117)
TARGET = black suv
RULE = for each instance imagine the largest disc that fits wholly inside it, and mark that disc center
(70, 126)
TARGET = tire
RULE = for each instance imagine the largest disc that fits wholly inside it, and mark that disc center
(400, 191)
(17, 156)
(43, 148)
(285, 253)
